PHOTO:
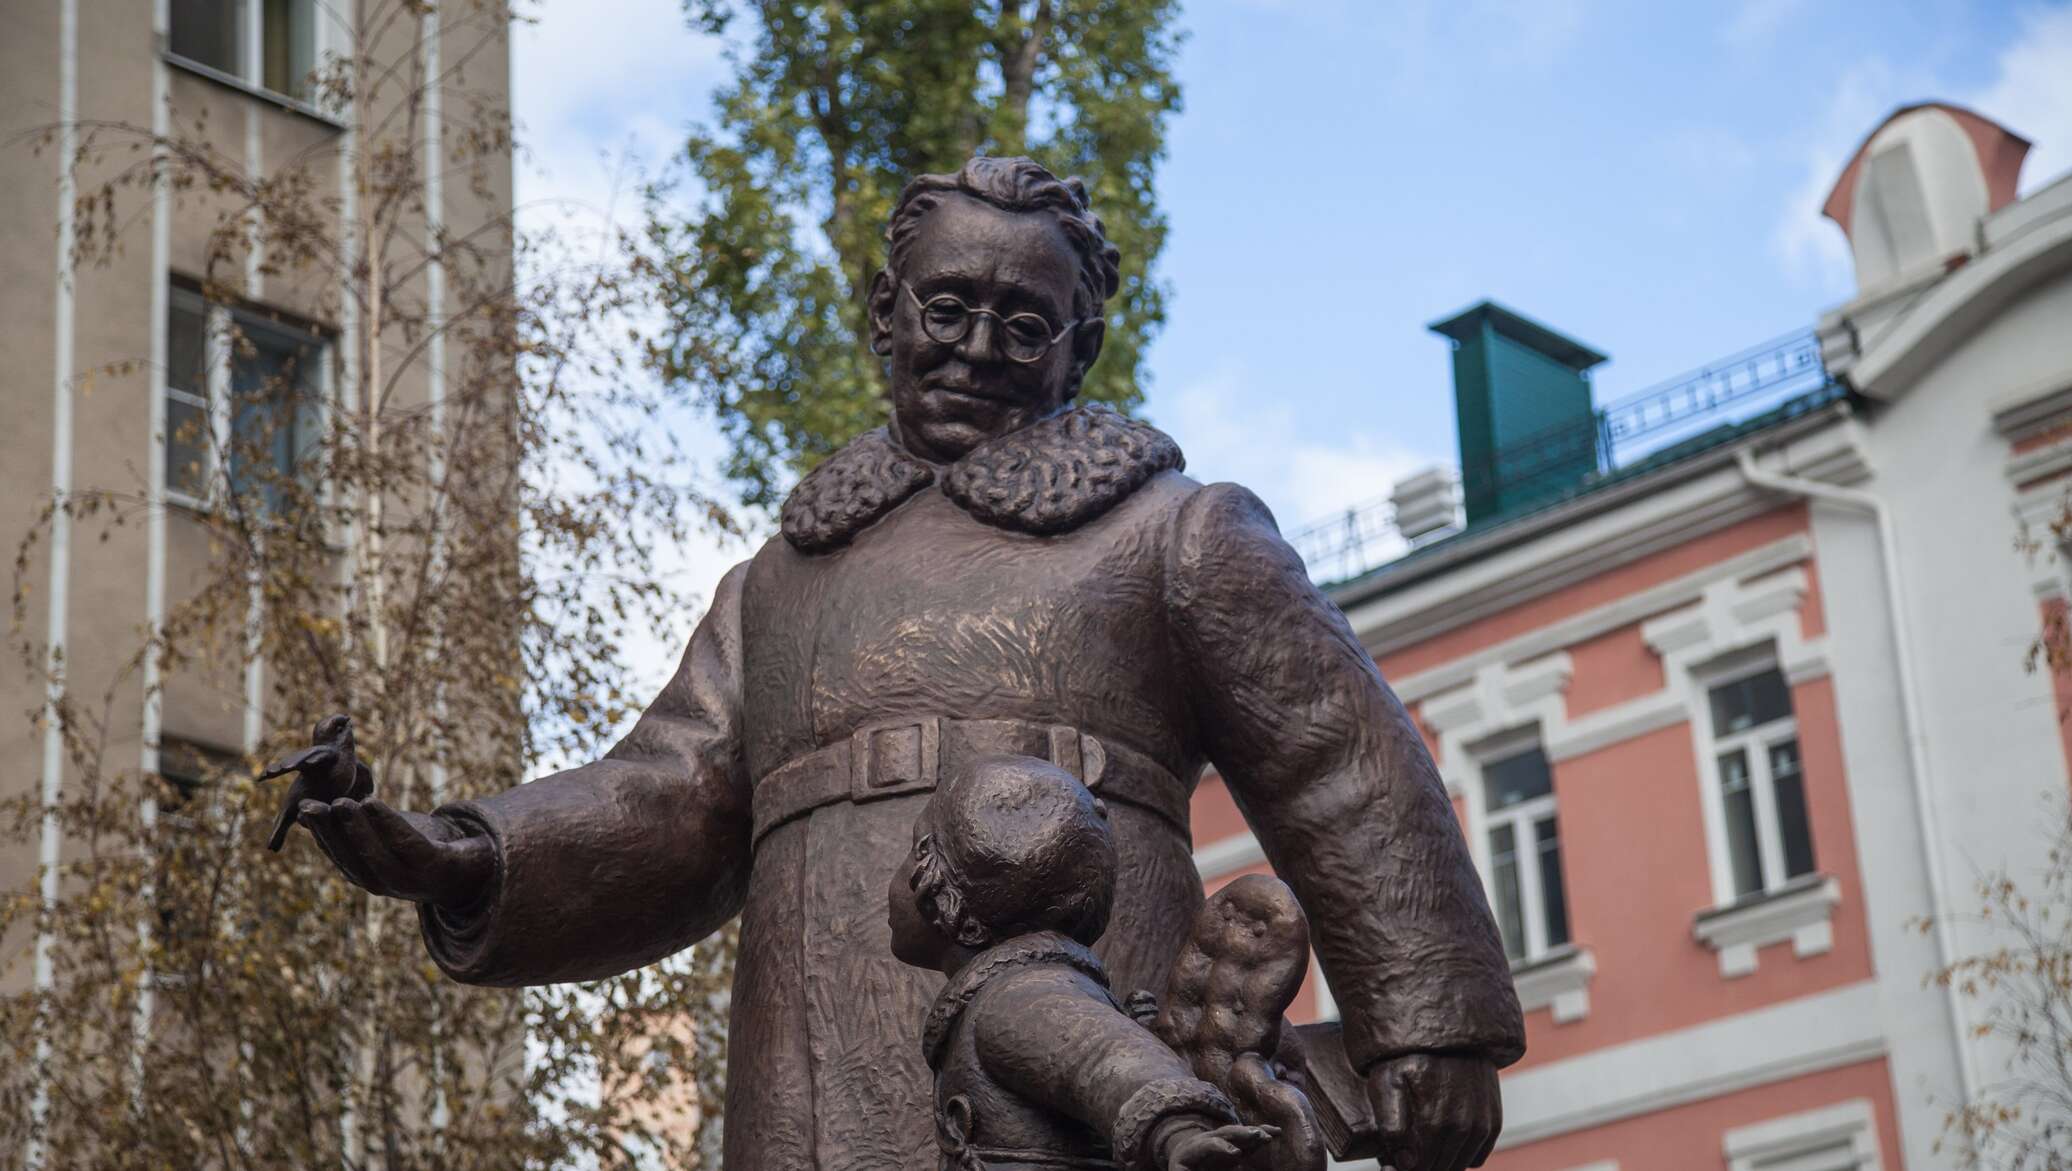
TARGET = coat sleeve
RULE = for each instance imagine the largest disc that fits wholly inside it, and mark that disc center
(617, 863)
(1054, 1038)
(1327, 768)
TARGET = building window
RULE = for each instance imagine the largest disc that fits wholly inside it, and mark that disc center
(1842, 1137)
(271, 44)
(1762, 789)
(1524, 853)
(239, 383)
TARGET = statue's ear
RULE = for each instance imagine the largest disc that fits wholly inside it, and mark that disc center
(883, 302)
(972, 934)
(1086, 346)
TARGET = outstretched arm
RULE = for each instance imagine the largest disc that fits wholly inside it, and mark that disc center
(589, 872)
(1332, 776)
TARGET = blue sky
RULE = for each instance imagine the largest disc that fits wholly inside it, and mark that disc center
(1644, 176)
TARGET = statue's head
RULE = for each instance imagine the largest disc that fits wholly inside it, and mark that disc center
(988, 310)
(1007, 845)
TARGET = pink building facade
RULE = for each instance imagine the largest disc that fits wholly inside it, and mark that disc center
(1727, 719)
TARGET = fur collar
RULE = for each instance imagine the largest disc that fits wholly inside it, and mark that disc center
(1049, 477)
(1040, 947)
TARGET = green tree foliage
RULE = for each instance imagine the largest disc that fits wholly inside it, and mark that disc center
(833, 107)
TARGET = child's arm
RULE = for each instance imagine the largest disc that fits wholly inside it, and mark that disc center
(1189, 1143)
(1052, 1036)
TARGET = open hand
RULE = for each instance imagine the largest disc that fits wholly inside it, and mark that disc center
(413, 856)
(1214, 1150)
(1436, 1111)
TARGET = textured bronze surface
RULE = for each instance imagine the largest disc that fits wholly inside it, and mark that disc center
(995, 555)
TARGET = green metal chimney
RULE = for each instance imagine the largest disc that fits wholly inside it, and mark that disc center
(1521, 397)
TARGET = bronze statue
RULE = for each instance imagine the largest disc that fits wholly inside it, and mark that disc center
(1037, 1064)
(997, 571)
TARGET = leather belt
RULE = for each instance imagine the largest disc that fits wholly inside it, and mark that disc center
(910, 756)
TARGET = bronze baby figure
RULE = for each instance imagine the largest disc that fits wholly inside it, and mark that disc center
(1037, 1064)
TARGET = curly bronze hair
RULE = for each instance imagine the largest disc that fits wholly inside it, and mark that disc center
(1021, 185)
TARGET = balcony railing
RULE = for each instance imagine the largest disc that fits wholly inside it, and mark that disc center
(1654, 427)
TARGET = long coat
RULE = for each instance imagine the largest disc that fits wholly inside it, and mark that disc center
(1063, 591)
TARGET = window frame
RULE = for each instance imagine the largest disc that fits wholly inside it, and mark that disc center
(1755, 744)
(249, 17)
(1523, 820)
(216, 399)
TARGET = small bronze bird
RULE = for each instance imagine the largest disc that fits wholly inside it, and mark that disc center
(325, 771)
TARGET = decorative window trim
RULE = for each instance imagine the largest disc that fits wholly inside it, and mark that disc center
(1784, 1142)
(1801, 911)
(1522, 821)
(1559, 980)
(2036, 506)
(1725, 632)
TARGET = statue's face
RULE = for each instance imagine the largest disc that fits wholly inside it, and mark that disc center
(949, 398)
(914, 940)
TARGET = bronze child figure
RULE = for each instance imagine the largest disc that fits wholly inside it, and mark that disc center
(1037, 1064)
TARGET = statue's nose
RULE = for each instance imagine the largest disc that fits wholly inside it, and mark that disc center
(977, 345)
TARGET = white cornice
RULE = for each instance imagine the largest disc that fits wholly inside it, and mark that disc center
(1228, 855)
(2038, 407)
(1954, 309)
(2040, 463)
(1778, 554)
(1560, 981)
(1784, 1142)
(1824, 1031)
(1802, 914)
(1629, 522)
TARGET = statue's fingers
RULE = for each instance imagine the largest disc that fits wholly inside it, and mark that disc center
(1483, 1151)
(381, 863)
(317, 817)
(402, 839)
(1452, 1148)
(1464, 1126)
(1392, 1124)
(421, 858)
(1490, 1125)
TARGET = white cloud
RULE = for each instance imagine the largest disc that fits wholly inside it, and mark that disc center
(1812, 248)
(603, 96)
(602, 93)
(2031, 93)
(1233, 431)
(1423, 40)
(1756, 21)
(1530, 34)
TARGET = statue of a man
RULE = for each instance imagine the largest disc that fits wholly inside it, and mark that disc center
(997, 571)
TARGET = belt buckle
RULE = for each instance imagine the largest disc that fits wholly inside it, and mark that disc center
(1079, 754)
(893, 759)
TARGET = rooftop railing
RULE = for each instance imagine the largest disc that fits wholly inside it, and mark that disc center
(1661, 425)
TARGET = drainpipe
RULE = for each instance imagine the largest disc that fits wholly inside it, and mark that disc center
(1910, 711)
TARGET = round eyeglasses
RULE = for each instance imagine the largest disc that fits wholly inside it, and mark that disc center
(1023, 337)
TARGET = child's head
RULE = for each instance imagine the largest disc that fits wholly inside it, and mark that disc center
(1006, 846)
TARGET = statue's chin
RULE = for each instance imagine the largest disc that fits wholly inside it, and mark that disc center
(947, 439)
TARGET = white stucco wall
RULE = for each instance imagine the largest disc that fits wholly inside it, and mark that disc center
(1994, 755)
